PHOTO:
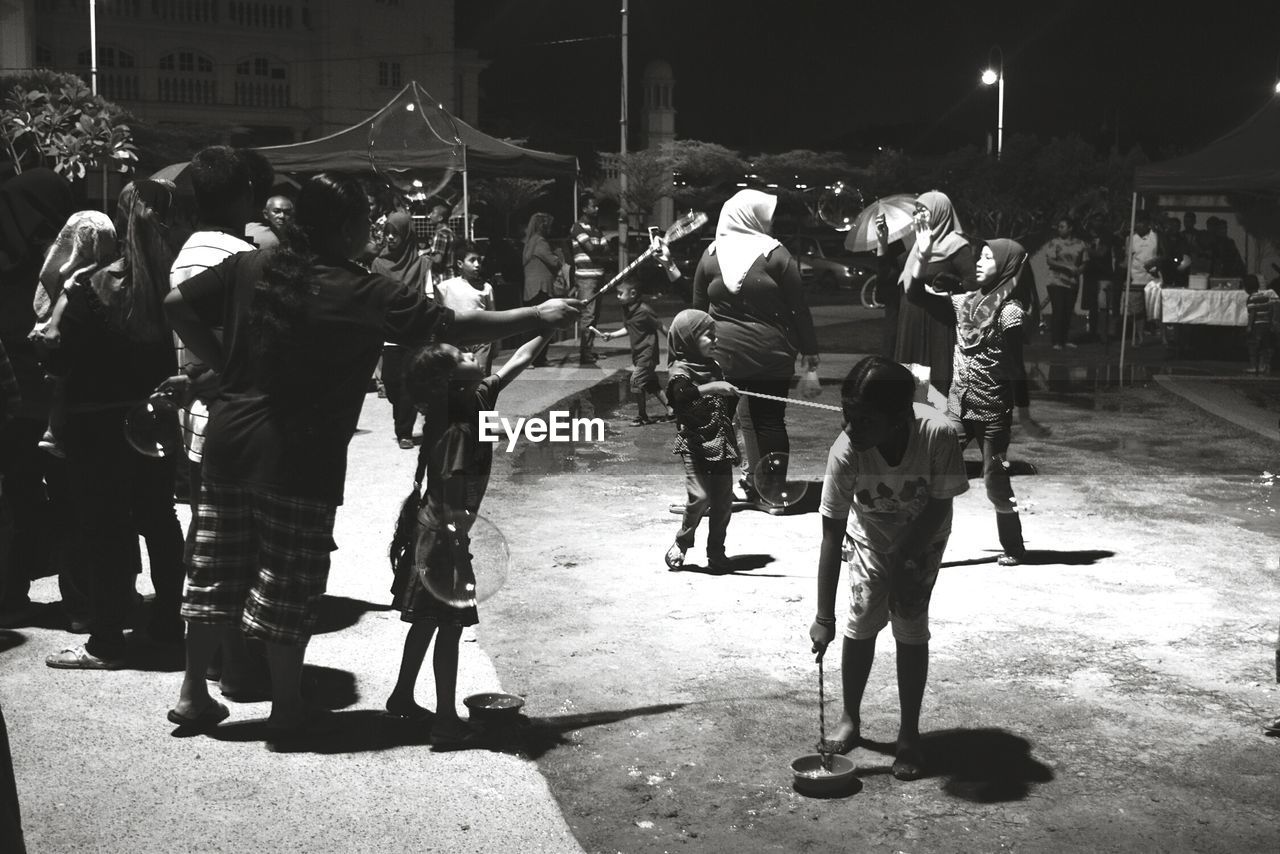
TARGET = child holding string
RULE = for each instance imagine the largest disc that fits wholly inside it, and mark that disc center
(704, 404)
(450, 388)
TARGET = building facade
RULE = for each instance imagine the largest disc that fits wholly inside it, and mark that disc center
(274, 71)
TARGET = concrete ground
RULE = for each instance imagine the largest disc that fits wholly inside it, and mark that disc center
(98, 768)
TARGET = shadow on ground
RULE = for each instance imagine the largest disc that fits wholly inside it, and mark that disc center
(340, 612)
(1043, 557)
(985, 766)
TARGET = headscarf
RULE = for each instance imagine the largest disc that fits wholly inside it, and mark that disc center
(683, 357)
(33, 206)
(87, 241)
(401, 262)
(980, 308)
(133, 288)
(742, 235)
(945, 226)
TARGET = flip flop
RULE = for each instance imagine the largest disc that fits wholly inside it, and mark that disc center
(641, 422)
(415, 714)
(908, 766)
(842, 746)
(1272, 728)
(213, 714)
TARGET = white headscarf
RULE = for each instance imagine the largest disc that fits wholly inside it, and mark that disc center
(742, 235)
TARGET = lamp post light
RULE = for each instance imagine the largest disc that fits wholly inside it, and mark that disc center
(995, 75)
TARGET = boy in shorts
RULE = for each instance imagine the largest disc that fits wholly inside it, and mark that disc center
(644, 327)
(897, 465)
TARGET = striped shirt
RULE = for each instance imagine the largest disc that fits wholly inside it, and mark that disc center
(203, 250)
(588, 250)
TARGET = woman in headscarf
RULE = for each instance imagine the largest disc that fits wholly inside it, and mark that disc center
(398, 259)
(939, 264)
(116, 348)
(703, 404)
(750, 285)
(541, 266)
(990, 379)
(33, 207)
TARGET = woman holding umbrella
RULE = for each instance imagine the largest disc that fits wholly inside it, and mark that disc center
(940, 263)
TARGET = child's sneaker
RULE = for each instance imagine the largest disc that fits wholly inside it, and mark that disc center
(50, 445)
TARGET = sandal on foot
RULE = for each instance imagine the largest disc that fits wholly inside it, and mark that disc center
(675, 557)
(1272, 728)
(412, 713)
(79, 658)
(1008, 559)
(907, 765)
(641, 422)
(313, 722)
(720, 562)
(212, 715)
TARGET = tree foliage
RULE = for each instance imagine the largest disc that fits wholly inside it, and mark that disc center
(507, 197)
(52, 119)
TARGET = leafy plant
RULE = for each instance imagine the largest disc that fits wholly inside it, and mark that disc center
(51, 119)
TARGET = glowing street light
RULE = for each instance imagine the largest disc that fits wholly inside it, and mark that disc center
(995, 76)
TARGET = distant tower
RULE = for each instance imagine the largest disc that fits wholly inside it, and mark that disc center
(659, 125)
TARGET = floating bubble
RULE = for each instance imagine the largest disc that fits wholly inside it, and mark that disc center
(414, 146)
(152, 427)
(772, 484)
(469, 563)
(839, 205)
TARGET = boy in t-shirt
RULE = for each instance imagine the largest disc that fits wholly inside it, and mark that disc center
(897, 465)
(1264, 312)
(468, 291)
(642, 324)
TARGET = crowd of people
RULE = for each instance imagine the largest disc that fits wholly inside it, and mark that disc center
(264, 316)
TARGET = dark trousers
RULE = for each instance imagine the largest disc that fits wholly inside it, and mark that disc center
(403, 413)
(763, 423)
(117, 495)
(1063, 302)
(993, 441)
(710, 494)
(35, 490)
(588, 286)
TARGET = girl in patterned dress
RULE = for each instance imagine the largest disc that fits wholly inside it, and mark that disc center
(704, 403)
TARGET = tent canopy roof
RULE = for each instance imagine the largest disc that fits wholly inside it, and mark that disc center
(412, 131)
(1243, 159)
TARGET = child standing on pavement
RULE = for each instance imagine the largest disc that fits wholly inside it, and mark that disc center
(643, 325)
(897, 466)
(468, 291)
(989, 381)
(1264, 320)
(449, 387)
(704, 404)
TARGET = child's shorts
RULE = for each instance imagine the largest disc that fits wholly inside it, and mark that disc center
(880, 594)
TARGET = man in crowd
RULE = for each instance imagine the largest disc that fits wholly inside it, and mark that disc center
(590, 249)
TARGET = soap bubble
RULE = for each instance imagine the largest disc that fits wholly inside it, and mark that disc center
(469, 564)
(839, 205)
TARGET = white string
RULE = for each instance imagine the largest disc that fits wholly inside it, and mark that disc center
(791, 400)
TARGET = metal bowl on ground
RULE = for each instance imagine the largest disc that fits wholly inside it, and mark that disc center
(493, 707)
(811, 778)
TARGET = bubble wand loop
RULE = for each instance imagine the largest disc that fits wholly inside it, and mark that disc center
(791, 400)
(683, 227)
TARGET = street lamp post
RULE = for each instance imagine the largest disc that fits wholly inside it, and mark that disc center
(996, 75)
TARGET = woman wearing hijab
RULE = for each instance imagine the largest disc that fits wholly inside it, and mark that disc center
(116, 348)
(541, 266)
(990, 380)
(33, 207)
(941, 263)
(750, 285)
(399, 260)
(703, 404)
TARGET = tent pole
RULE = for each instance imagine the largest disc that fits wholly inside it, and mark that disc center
(1128, 281)
(466, 199)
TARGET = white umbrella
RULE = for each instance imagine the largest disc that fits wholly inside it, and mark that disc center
(899, 213)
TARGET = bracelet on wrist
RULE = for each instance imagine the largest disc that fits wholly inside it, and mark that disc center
(825, 621)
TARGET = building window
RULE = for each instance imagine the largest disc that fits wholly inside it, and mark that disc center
(263, 16)
(117, 73)
(389, 74)
(187, 77)
(261, 82)
(187, 11)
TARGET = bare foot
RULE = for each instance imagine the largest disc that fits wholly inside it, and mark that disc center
(908, 764)
(845, 737)
(408, 710)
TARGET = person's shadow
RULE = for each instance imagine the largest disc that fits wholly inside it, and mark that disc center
(1043, 557)
(985, 766)
(736, 565)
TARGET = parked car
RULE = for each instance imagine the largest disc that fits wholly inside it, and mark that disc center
(826, 264)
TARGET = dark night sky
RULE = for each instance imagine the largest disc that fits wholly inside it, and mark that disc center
(841, 74)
